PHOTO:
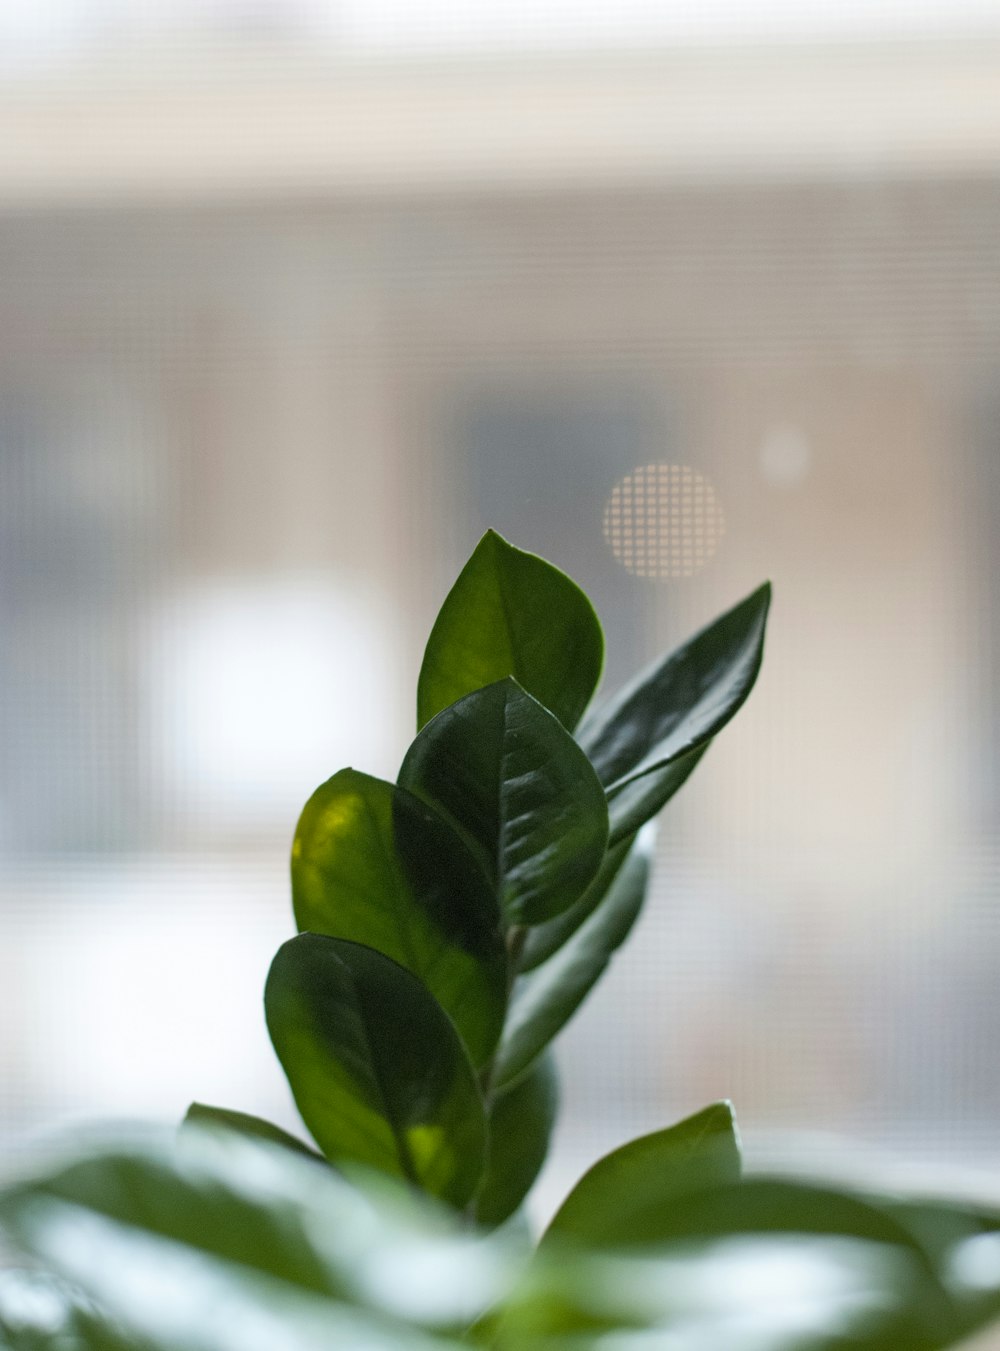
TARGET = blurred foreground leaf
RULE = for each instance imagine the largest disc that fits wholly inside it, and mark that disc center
(203, 1117)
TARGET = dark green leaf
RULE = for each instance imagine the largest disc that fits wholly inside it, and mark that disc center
(542, 940)
(511, 613)
(510, 777)
(243, 1123)
(641, 742)
(546, 998)
(637, 800)
(375, 1065)
(373, 864)
(520, 1124)
(623, 1197)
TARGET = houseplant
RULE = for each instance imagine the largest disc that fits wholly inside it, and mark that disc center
(449, 926)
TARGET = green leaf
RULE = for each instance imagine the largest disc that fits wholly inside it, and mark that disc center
(636, 801)
(733, 1223)
(762, 1205)
(509, 776)
(243, 1123)
(243, 1205)
(238, 1245)
(758, 1292)
(642, 742)
(546, 998)
(38, 1312)
(246, 1247)
(962, 1240)
(624, 1195)
(520, 1124)
(511, 613)
(543, 940)
(373, 864)
(376, 1067)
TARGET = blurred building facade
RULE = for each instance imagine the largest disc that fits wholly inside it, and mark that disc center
(279, 340)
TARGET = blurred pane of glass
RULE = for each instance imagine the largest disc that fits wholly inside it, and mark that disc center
(248, 438)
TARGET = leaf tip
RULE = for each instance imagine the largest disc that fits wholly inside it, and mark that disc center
(724, 1111)
(492, 539)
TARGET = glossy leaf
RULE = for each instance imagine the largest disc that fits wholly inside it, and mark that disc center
(513, 781)
(643, 742)
(203, 1117)
(623, 1196)
(632, 803)
(545, 998)
(373, 864)
(376, 1067)
(520, 1124)
(510, 613)
(542, 940)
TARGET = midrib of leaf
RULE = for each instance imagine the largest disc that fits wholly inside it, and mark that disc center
(389, 862)
(505, 754)
(508, 619)
(402, 1146)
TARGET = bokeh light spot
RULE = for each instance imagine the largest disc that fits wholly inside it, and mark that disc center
(663, 520)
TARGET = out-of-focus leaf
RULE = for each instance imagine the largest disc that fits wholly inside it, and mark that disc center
(376, 1067)
(520, 1123)
(647, 740)
(962, 1240)
(763, 1265)
(508, 775)
(624, 1196)
(757, 1292)
(373, 864)
(173, 1298)
(546, 998)
(759, 1205)
(203, 1117)
(38, 1312)
(510, 613)
(768, 1205)
(238, 1245)
(269, 1213)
